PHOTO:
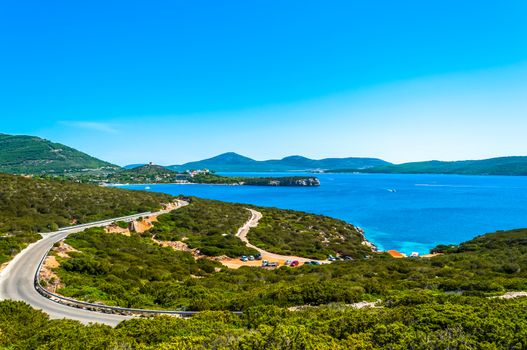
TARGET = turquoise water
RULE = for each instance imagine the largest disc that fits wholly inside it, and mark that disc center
(424, 210)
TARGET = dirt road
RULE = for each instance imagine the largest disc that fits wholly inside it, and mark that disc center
(272, 257)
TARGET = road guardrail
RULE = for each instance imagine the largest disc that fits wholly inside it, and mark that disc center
(101, 307)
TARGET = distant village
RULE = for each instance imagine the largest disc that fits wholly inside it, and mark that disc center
(193, 173)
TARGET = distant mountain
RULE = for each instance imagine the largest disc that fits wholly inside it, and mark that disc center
(234, 162)
(303, 163)
(492, 166)
(132, 166)
(32, 155)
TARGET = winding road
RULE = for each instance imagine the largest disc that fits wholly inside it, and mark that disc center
(17, 279)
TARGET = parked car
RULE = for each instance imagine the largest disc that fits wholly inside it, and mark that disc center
(273, 264)
(265, 263)
(258, 256)
(243, 258)
(313, 262)
(348, 257)
(251, 258)
(294, 263)
(288, 262)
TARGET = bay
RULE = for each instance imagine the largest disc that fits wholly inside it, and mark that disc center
(408, 213)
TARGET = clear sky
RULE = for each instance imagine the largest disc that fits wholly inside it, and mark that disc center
(174, 81)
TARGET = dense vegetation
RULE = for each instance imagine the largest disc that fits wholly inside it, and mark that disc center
(291, 232)
(211, 226)
(127, 271)
(256, 181)
(445, 323)
(207, 225)
(29, 206)
(500, 241)
(104, 273)
(33, 155)
(234, 162)
(493, 166)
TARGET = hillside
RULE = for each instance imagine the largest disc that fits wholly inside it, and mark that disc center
(207, 225)
(493, 166)
(210, 226)
(441, 302)
(148, 173)
(32, 155)
(484, 267)
(29, 206)
(232, 162)
(291, 232)
(451, 323)
(158, 277)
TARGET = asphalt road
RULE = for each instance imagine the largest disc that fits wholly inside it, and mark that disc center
(16, 280)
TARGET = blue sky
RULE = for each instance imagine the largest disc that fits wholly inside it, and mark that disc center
(174, 81)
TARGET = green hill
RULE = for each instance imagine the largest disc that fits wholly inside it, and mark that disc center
(210, 226)
(234, 162)
(21, 154)
(493, 166)
(149, 173)
(29, 206)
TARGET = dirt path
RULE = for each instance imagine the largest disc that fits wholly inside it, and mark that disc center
(235, 263)
(512, 295)
(272, 257)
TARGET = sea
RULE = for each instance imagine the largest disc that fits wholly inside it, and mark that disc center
(407, 213)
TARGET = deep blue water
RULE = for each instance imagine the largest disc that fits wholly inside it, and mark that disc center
(425, 210)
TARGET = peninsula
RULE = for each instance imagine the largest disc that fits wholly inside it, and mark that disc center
(152, 173)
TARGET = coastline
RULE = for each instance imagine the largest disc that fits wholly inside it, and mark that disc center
(197, 183)
(171, 183)
(365, 241)
(147, 184)
(374, 248)
(363, 200)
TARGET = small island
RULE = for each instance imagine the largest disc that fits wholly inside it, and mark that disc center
(157, 174)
